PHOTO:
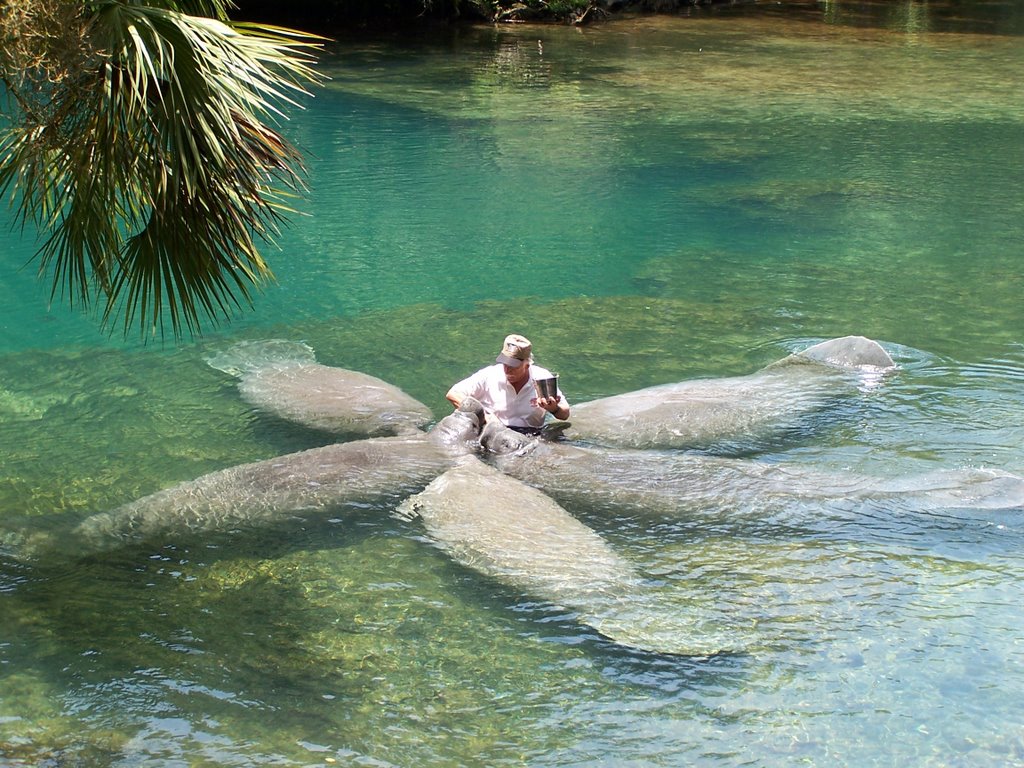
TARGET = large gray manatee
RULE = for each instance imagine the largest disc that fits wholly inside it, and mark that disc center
(674, 484)
(283, 378)
(508, 531)
(298, 485)
(730, 411)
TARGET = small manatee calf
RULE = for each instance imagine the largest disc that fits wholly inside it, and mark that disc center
(508, 531)
(283, 378)
(732, 412)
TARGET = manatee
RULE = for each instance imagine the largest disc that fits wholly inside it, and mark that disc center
(671, 484)
(297, 485)
(510, 532)
(283, 378)
(735, 411)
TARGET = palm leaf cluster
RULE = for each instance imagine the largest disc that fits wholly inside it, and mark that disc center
(140, 142)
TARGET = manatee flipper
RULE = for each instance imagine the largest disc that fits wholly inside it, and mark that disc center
(283, 378)
(554, 430)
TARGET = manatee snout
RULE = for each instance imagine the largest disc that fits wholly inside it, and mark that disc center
(474, 408)
(499, 439)
(461, 428)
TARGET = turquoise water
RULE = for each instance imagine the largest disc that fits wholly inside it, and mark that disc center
(649, 201)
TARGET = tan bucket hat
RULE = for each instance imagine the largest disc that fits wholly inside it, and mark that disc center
(515, 351)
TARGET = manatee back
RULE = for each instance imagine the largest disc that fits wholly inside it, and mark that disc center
(515, 534)
(735, 412)
(334, 400)
(328, 480)
(849, 353)
(696, 413)
(283, 378)
(512, 532)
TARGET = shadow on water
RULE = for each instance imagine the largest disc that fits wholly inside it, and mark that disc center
(237, 628)
(220, 619)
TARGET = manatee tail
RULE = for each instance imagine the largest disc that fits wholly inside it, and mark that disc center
(644, 625)
(980, 489)
(33, 538)
(248, 356)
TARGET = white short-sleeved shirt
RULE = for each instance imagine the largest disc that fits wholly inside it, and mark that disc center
(514, 409)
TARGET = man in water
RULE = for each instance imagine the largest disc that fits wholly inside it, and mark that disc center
(507, 388)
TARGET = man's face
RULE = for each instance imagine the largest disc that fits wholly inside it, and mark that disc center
(517, 376)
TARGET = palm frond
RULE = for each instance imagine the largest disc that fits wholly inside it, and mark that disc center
(158, 171)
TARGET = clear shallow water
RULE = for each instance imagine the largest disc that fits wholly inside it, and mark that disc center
(649, 201)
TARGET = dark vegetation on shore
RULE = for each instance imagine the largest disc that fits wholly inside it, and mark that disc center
(403, 13)
(1003, 17)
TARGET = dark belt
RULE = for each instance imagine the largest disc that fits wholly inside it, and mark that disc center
(534, 431)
